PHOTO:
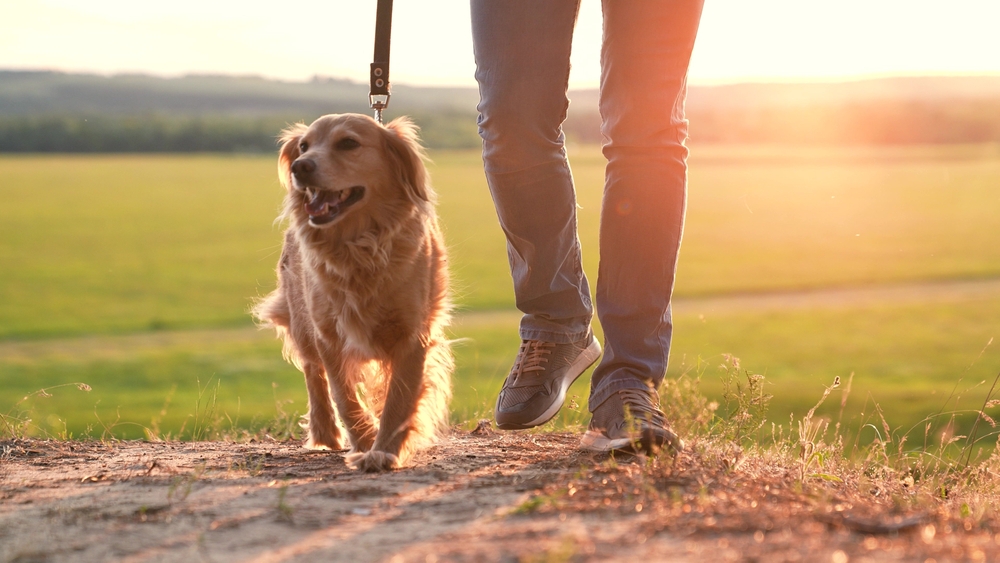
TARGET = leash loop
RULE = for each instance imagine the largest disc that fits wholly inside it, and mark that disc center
(378, 91)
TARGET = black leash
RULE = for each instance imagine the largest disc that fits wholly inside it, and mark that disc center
(378, 92)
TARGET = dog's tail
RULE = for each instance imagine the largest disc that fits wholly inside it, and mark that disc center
(272, 311)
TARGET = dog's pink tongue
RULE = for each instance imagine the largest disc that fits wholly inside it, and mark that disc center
(319, 204)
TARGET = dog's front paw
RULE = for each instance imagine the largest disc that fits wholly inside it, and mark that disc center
(372, 461)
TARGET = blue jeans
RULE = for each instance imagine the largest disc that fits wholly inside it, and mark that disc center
(522, 50)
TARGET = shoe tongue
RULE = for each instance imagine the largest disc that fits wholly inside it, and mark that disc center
(534, 355)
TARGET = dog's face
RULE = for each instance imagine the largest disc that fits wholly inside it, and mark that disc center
(345, 166)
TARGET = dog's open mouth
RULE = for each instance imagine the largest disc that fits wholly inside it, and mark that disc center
(323, 206)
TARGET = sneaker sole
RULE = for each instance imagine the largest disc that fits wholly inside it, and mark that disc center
(594, 441)
(586, 359)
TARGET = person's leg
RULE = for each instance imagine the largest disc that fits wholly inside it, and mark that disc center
(647, 47)
(522, 50)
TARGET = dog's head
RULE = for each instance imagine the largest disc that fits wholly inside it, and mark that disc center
(344, 168)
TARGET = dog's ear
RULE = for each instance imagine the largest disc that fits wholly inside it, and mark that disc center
(407, 156)
(289, 139)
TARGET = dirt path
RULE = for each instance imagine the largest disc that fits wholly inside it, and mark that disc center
(277, 502)
(489, 497)
(893, 294)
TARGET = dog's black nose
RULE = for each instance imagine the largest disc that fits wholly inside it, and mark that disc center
(303, 167)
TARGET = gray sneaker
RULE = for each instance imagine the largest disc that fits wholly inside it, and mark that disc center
(536, 386)
(630, 420)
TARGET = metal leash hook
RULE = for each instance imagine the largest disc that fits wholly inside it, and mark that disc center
(378, 92)
(378, 103)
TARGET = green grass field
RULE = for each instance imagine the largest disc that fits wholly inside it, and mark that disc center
(133, 274)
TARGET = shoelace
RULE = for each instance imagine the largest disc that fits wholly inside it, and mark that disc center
(642, 405)
(530, 356)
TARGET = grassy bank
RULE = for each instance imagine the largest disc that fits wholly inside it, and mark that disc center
(133, 274)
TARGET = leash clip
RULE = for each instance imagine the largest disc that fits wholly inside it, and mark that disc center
(378, 103)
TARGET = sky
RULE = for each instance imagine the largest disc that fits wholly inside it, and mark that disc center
(739, 40)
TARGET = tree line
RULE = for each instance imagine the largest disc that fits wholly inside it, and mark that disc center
(872, 122)
(151, 134)
(42, 111)
(869, 122)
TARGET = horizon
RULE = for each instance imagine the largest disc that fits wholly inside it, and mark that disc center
(763, 81)
(768, 41)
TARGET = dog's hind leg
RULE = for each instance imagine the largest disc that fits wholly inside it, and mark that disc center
(322, 418)
(432, 414)
(300, 348)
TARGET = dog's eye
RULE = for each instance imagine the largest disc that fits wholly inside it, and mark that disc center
(347, 144)
(303, 146)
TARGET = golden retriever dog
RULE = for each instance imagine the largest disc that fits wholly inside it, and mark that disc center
(362, 297)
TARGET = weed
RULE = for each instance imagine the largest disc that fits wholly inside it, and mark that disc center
(17, 423)
(745, 402)
(681, 400)
(283, 508)
(5, 456)
(250, 464)
(285, 424)
(180, 486)
(108, 432)
(206, 418)
(811, 447)
(539, 502)
(988, 402)
(154, 433)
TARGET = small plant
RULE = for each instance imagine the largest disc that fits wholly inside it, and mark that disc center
(538, 502)
(17, 424)
(180, 486)
(284, 425)
(284, 510)
(5, 455)
(206, 419)
(988, 402)
(153, 433)
(745, 402)
(681, 400)
(811, 447)
(250, 464)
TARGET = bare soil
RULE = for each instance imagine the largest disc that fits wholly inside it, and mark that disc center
(479, 496)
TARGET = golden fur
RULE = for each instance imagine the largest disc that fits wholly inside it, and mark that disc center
(362, 296)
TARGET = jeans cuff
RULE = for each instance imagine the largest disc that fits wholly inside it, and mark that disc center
(612, 384)
(554, 337)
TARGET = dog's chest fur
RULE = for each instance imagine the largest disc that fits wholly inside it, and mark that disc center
(359, 291)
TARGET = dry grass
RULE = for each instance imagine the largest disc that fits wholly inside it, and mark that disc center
(757, 503)
(762, 488)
